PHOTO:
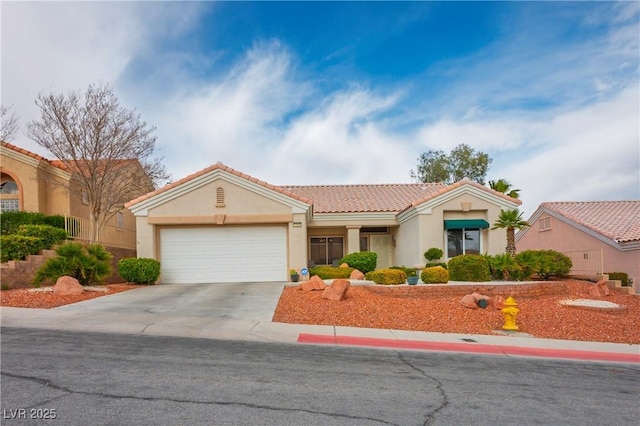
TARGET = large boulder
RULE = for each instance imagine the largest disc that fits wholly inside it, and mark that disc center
(600, 289)
(356, 275)
(337, 291)
(497, 302)
(468, 301)
(67, 286)
(314, 283)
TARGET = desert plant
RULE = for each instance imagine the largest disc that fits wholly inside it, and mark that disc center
(48, 234)
(434, 253)
(504, 267)
(434, 274)
(16, 247)
(545, 263)
(88, 264)
(469, 267)
(139, 270)
(364, 261)
(409, 272)
(329, 272)
(510, 220)
(387, 276)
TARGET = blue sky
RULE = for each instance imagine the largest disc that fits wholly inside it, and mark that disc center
(354, 92)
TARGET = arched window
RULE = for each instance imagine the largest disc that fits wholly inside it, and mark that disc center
(8, 187)
(9, 200)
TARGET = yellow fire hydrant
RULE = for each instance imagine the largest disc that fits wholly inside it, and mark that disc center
(510, 311)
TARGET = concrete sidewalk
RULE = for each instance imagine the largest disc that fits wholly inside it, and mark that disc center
(147, 323)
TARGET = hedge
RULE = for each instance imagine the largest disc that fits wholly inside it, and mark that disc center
(16, 247)
(435, 275)
(387, 276)
(139, 270)
(469, 267)
(48, 234)
(329, 272)
(364, 261)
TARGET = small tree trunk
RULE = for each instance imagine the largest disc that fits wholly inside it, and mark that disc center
(511, 242)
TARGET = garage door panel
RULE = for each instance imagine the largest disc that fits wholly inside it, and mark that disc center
(223, 254)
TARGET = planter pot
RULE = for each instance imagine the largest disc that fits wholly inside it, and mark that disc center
(412, 280)
(295, 278)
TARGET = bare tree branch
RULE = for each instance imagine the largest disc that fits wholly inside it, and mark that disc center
(8, 124)
(107, 147)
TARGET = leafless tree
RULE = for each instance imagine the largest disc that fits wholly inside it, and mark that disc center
(8, 124)
(107, 148)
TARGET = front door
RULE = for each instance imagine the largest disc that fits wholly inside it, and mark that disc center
(381, 245)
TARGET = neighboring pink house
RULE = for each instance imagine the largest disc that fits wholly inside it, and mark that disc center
(599, 236)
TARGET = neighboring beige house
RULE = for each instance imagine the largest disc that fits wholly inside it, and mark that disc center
(32, 183)
(599, 236)
(221, 225)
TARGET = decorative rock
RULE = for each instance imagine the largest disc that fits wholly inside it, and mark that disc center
(356, 275)
(314, 283)
(67, 286)
(344, 265)
(337, 291)
(600, 289)
(468, 301)
(477, 297)
(497, 302)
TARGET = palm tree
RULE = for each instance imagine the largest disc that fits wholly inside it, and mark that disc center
(502, 185)
(510, 220)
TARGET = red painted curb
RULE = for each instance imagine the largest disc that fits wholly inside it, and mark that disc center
(478, 348)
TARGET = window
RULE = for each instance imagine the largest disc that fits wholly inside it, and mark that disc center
(120, 220)
(364, 243)
(326, 250)
(9, 205)
(544, 224)
(463, 241)
(8, 187)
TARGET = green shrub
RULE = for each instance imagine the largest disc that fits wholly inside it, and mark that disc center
(432, 264)
(469, 267)
(409, 272)
(88, 264)
(434, 274)
(16, 247)
(387, 276)
(139, 270)
(545, 263)
(48, 234)
(433, 253)
(364, 261)
(504, 267)
(623, 277)
(329, 272)
(57, 221)
(11, 221)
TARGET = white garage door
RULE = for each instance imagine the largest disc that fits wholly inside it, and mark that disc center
(223, 254)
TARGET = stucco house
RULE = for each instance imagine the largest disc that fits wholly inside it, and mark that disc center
(32, 183)
(599, 236)
(221, 225)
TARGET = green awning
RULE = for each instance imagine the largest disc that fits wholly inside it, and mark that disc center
(466, 224)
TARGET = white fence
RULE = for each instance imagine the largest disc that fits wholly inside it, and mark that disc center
(108, 235)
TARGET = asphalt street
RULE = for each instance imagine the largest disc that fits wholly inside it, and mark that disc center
(115, 379)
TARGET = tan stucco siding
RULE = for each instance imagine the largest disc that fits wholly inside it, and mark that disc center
(297, 241)
(408, 243)
(146, 239)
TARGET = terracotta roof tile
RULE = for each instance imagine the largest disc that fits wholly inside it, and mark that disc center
(217, 166)
(365, 198)
(54, 163)
(618, 220)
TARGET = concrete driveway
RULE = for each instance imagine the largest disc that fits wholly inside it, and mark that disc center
(247, 301)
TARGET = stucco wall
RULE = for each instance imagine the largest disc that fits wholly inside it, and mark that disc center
(408, 242)
(563, 237)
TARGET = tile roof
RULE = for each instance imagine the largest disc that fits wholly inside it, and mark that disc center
(618, 220)
(365, 198)
(218, 166)
(54, 163)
